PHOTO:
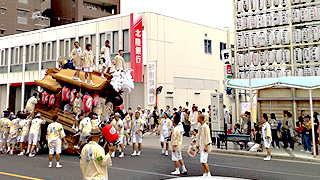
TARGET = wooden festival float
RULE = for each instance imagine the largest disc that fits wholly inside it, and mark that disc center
(58, 89)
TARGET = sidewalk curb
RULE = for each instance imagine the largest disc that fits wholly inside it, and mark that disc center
(263, 155)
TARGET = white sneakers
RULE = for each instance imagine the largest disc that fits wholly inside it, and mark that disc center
(289, 149)
(302, 150)
(206, 174)
(277, 147)
(136, 154)
(308, 151)
(76, 146)
(166, 154)
(21, 154)
(268, 158)
(121, 155)
(163, 151)
(79, 80)
(176, 172)
(113, 154)
(91, 83)
(57, 166)
(11, 153)
(31, 155)
(102, 75)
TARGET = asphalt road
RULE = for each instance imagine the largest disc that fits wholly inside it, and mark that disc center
(153, 165)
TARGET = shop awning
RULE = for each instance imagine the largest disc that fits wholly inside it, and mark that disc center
(291, 81)
(309, 83)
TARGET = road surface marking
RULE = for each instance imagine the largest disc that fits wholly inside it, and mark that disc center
(118, 168)
(259, 170)
(19, 176)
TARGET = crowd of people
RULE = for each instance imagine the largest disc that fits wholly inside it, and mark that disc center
(21, 134)
(282, 130)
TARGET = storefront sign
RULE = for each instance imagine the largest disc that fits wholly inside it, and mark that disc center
(151, 82)
(136, 48)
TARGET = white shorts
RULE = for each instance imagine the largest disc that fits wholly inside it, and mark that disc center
(33, 139)
(163, 135)
(88, 69)
(136, 139)
(203, 156)
(107, 63)
(83, 139)
(266, 143)
(12, 140)
(176, 156)
(3, 137)
(23, 139)
(120, 139)
(78, 67)
(55, 148)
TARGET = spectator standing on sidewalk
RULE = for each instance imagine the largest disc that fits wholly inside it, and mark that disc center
(284, 128)
(274, 130)
(290, 133)
(316, 126)
(246, 122)
(266, 134)
(186, 122)
(155, 117)
(306, 133)
(168, 111)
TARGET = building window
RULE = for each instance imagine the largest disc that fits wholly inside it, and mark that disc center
(223, 46)
(126, 40)
(3, 57)
(1, 32)
(22, 17)
(207, 46)
(47, 51)
(16, 55)
(32, 53)
(23, 1)
(3, 11)
(115, 42)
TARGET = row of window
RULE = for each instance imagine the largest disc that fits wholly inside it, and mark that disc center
(49, 49)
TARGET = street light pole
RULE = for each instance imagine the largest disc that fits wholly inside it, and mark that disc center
(251, 103)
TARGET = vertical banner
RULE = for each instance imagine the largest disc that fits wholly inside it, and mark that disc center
(151, 82)
(136, 48)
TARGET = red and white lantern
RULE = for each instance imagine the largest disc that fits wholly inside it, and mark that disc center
(52, 99)
(87, 102)
(45, 97)
(72, 96)
(95, 100)
(65, 94)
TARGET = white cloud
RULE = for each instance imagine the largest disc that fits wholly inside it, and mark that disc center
(213, 13)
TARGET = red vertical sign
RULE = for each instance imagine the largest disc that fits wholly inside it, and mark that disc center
(136, 48)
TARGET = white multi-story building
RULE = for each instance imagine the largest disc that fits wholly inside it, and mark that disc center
(187, 57)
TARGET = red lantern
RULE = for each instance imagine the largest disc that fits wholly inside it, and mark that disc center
(95, 100)
(51, 100)
(73, 96)
(65, 94)
(45, 97)
(109, 133)
(87, 102)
